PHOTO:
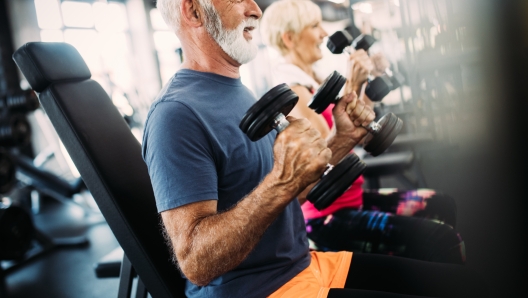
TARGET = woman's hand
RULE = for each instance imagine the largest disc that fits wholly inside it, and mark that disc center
(359, 68)
(351, 114)
(380, 64)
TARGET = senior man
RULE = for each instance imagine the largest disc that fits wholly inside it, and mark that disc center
(231, 207)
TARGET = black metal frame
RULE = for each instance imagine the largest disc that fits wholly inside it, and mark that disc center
(126, 280)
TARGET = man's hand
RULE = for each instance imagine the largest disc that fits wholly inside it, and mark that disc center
(350, 115)
(208, 243)
(359, 68)
(300, 155)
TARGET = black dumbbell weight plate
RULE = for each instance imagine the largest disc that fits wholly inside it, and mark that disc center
(378, 88)
(260, 105)
(336, 182)
(327, 92)
(378, 143)
(390, 137)
(264, 121)
(397, 80)
(7, 171)
(365, 43)
(327, 180)
(342, 185)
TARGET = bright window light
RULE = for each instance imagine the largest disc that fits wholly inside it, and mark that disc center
(166, 41)
(337, 1)
(169, 64)
(157, 21)
(363, 7)
(87, 43)
(48, 14)
(51, 36)
(114, 49)
(110, 17)
(77, 14)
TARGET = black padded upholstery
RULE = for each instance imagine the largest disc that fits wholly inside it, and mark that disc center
(46, 63)
(108, 157)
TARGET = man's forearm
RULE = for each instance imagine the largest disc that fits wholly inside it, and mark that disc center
(218, 243)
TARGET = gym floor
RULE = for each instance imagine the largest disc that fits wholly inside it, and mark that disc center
(66, 271)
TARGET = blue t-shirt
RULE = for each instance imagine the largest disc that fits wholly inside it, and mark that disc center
(195, 151)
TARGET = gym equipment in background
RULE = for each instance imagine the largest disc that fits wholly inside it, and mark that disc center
(270, 113)
(16, 232)
(23, 102)
(381, 133)
(385, 233)
(7, 171)
(378, 87)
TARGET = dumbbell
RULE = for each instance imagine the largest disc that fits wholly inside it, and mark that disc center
(381, 133)
(378, 87)
(269, 113)
(16, 231)
(23, 102)
(7, 172)
(15, 131)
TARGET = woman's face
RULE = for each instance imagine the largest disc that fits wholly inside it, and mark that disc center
(307, 44)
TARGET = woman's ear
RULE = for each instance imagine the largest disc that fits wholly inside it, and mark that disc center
(191, 13)
(288, 38)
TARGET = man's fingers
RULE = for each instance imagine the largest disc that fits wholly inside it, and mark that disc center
(350, 106)
(362, 117)
(301, 124)
(356, 113)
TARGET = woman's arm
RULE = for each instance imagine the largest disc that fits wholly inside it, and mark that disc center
(301, 110)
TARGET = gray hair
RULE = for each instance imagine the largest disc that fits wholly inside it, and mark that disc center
(170, 11)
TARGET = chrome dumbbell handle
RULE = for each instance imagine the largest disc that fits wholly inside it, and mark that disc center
(373, 127)
(329, 167)
(280, 123)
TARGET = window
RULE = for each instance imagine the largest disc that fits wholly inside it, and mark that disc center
(99, 31)
(168, 47)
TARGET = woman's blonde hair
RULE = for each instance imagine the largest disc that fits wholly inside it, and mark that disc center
(287, 16)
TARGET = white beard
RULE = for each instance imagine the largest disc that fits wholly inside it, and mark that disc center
(232, 41)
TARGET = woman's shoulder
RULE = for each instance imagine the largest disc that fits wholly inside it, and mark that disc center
(291, 75)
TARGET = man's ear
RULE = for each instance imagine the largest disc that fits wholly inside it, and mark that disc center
(288, 38)
(191, 13)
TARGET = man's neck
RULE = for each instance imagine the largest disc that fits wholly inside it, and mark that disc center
(209, 57)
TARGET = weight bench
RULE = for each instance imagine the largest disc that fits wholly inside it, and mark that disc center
(109, 159)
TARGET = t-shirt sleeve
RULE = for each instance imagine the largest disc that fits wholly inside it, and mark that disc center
(179, 157)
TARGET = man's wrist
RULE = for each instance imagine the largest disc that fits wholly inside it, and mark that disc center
(341, 145)
(286, 189)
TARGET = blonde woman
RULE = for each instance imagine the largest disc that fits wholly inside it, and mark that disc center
(294, 28)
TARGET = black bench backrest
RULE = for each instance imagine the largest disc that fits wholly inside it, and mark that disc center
(106, 154)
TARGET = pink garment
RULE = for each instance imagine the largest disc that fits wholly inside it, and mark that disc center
(352, 198)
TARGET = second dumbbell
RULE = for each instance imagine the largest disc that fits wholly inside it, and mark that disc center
(381, 133)
(269, 113)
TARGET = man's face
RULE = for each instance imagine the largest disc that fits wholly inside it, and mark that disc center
(231, 24)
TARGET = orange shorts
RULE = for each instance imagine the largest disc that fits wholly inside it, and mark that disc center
(327, 270)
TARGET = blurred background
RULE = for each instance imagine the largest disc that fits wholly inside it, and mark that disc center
(464, 105)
